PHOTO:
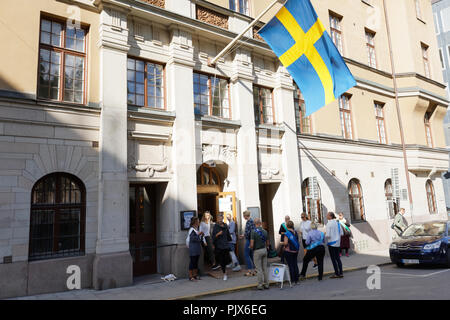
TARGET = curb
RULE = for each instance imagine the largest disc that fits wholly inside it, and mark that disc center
(251, 286)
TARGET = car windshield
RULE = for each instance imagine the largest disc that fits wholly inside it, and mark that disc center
(425, 229)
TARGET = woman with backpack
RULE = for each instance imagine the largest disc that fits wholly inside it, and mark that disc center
(194, 241)
(291, 247)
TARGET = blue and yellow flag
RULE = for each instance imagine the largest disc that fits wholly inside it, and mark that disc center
(300, 41)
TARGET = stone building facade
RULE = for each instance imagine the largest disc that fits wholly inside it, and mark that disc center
(113, 128)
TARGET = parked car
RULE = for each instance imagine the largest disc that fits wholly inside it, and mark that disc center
(422, 243)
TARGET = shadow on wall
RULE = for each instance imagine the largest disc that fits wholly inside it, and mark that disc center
(340, 193)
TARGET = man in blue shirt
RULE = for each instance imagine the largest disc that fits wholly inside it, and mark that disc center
(315, 249)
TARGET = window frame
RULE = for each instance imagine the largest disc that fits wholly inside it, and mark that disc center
(381, 119)
(425, 59)
(428, 131)
(333, 30)
(371, 48)
(389, 197)
(307, 201)
(164, 84)
(237, 7)
(56, 207)
(261, 106)
(210, 95)
(62, 50)
(298, 102)
(431, 193)
(360, 197)
(342, 112)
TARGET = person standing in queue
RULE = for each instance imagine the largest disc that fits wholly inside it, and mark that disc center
(333, 236)
(315, 249)
(205, 227)
(232, 227)
(259, 242)
(282, 232)
(195, 249)
(221, 239)
(249, 227)
(291, 251)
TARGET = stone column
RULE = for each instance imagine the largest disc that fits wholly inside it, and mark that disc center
(113, 265)
(182, 190)
(288, 196)
(247, 152)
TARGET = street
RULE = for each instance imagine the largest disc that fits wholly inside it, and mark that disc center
(411, 282)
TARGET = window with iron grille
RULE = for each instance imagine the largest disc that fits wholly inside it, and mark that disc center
(145, 84)
(346, 117)
(356, 200)
(431, 197)
(303, 123)
(370, 45)
(62, 62)
(240, 6)
(263, 105)
(381, 127)
(57, 226)
(211, 96)
(336, 31)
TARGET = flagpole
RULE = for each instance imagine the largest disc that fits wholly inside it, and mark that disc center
(238, 37)
(397, 104)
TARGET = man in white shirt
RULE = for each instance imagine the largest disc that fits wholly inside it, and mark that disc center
(334, 233)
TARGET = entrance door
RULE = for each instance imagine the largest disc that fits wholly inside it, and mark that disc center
(143, 229)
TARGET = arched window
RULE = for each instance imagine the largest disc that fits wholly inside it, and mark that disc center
(390, 200)
(312, 204)
(57, 219)
(431, 198)
(356, 200)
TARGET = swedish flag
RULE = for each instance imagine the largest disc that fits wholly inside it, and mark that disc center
(300, 41)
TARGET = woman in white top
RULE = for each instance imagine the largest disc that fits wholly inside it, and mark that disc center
(305, 228)
(205, 227)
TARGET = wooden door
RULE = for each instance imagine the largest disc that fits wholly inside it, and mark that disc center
(143, 229)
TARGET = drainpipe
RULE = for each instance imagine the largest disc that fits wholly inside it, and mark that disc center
(400, 123)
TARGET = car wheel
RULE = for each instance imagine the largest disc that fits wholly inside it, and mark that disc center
(400, 264)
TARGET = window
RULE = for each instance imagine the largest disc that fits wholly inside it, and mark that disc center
(441, 57)
(303, 123)
(391, 202)
(370, 44)
(426, 62)
(428, 129)
(336, 31)
(145, 84)
(381, 128)
(418, 10)
(208, 176)
(62, 62)
(356, 200)
(436, 24)
(263, 105)
(57, 227)
(445, 19)
(431, 198)
(211, 96)
(240, 6)
(312, 205)
(346, 117)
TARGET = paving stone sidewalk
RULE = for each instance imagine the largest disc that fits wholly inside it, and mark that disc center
(153, 288)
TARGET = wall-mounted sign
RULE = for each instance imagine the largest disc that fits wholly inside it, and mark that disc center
(186, 217)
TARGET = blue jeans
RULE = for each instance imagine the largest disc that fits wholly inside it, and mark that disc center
(249, 256)
(335, 259)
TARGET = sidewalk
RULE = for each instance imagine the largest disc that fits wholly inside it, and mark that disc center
(155, 289)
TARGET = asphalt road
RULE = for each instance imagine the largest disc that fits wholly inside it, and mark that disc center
(410, 282)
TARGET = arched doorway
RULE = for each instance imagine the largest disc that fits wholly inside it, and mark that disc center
(210, 195)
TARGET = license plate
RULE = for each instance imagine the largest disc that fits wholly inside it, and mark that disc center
(412, 261)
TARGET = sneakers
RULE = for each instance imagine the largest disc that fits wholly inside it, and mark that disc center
(216, 267)
(225, 278)
(302, 278)
(315, 266)
(237, 268)
(230, 265)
